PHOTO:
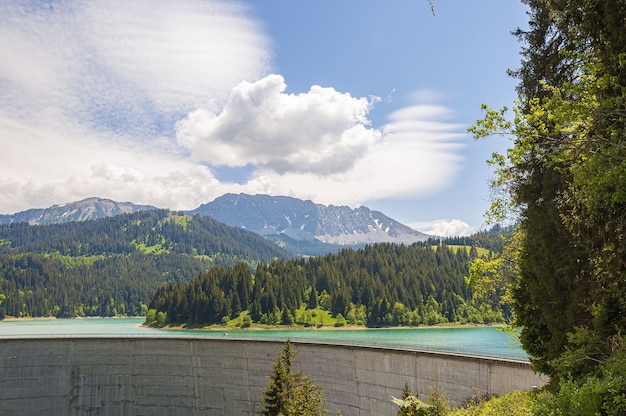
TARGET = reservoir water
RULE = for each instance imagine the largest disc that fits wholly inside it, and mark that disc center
(483, 341)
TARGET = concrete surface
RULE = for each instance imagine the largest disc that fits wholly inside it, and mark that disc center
(192, 376)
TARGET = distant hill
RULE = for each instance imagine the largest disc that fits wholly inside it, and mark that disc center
(306, 225)
(115, 264)
(87, 209)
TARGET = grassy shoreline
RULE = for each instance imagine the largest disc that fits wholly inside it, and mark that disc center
(323, 327)
(255, 327)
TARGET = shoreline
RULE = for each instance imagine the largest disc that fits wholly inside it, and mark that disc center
(257, 327)
(50, 318)
(316, 328)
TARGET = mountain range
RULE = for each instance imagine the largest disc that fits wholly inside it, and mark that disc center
(299, 226)
(305, 220)
(86, 209)
(84, 260)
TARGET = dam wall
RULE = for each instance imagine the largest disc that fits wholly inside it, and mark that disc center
(195, 376)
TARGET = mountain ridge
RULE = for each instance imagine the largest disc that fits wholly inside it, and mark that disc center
(301, 226)
(305, 220)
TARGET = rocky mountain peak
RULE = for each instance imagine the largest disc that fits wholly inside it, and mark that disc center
(305, 220)
(86, 209)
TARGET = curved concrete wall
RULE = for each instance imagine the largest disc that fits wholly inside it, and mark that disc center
(192, 376)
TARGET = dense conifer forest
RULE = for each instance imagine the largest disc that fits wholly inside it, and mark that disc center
(379, 285)
(114, 265)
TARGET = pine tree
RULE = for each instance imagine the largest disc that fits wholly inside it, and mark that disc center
(289, 393)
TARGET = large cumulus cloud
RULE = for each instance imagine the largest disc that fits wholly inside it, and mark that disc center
(321, 132)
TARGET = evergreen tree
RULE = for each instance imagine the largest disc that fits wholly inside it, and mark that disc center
(312, 304)
(291, 393)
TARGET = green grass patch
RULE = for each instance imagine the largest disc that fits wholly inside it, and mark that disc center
(305, 318)
(180, 220)
(153, 249)
(482, 252)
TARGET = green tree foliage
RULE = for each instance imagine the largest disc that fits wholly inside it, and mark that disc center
(380, 285)
(516, 403)
(157, 231)
(490, 240)
(290, 393)
(599, 394)
(563, 182)
(493, 278)
(119, 265)
(42, 285)
(155, 318)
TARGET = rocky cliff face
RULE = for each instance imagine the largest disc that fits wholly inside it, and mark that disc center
(87, 209)
(305, 220)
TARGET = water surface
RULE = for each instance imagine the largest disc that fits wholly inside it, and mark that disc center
(484, 341)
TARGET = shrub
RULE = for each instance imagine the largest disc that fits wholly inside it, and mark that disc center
(517, 403)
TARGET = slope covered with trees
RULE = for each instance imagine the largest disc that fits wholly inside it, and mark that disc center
(379, 285)
(114, 265)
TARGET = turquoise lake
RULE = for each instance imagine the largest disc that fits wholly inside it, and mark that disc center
(484, 341)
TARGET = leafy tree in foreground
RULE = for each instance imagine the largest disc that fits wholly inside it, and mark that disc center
(564, 181)
(291, 393)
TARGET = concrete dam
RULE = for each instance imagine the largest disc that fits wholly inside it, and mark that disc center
(194, 376)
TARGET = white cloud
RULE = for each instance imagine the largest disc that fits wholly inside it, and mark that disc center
(444, 228)
(124, 66)
(176, 53)
(321, 132)
(42, 166)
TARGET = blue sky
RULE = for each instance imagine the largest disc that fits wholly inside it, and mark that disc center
(175, 103)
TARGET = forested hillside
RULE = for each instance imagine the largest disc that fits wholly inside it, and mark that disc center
(379, 285)
(114, 265)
